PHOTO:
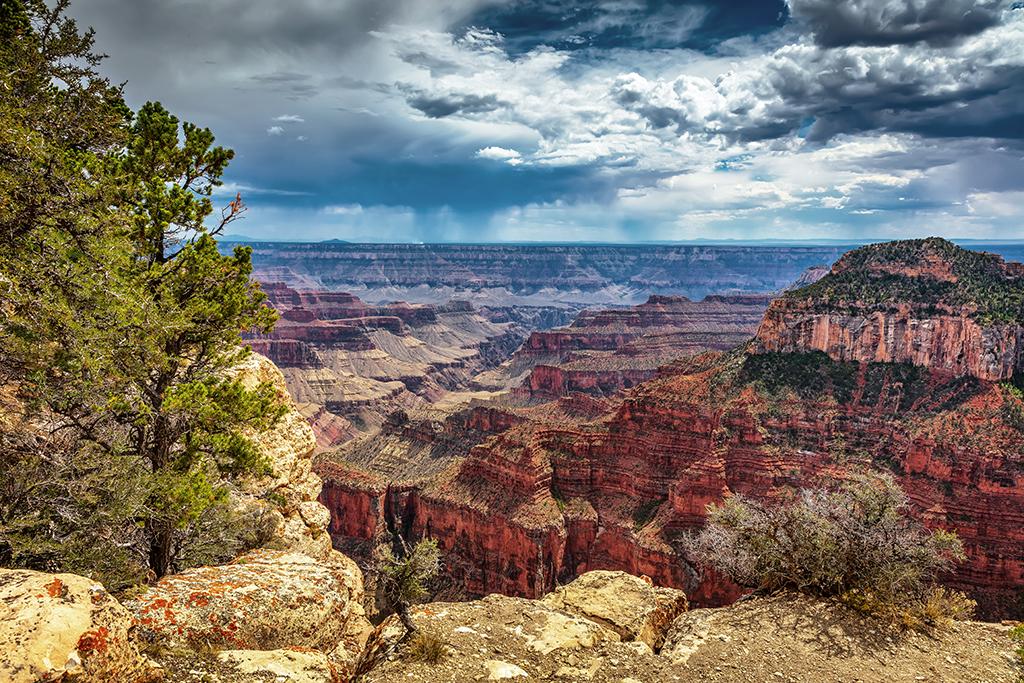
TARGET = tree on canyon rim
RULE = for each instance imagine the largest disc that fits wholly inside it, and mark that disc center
(402, 578)
(119, 316)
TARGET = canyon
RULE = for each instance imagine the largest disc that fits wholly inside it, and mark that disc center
(528, 488)
(606, 350)
(297, 610)
(348, 364)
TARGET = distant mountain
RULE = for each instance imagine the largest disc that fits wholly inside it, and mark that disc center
(536, 275)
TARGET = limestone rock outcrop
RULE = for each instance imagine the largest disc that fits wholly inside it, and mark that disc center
(288, 494)
(294, 665)
(785, 637)
(299, 592)
(626, 604)
(796, 638)
(499, 637)
(264, 600)
(64, 627)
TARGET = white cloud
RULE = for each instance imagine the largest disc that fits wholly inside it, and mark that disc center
(995, 204)
(343, 210)
(509, 156)
(656, 135)
(231, 189)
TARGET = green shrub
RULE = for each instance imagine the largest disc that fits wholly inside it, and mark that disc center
(855, 542)
(1017, 635)
(645, 513)
(403, 579)
(871, 276)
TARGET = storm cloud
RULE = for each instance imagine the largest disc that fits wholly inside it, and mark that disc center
(895, 22)
(613, 120)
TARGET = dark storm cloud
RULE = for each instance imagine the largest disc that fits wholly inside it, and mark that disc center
(924, 92)
(603, 24)
(975, 88)
(998, 113)
(895, 22)
(439, 106)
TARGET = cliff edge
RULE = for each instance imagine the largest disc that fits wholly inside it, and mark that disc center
(926, 302)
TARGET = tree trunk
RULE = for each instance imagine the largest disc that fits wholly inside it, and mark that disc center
(403, 614)
(161, 531)
(161, 540)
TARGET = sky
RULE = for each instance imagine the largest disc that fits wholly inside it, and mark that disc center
(608, 120)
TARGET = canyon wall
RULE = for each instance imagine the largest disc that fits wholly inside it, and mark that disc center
(533, 275)
(546, 499)
(570, 483)
(349, 363)
(606, 350)
(951, 341)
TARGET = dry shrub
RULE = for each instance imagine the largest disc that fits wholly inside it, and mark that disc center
(936, 608)
(855, 542)
(426, 647)
(402, 580)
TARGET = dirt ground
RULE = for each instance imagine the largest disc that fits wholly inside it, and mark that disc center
(782, 639)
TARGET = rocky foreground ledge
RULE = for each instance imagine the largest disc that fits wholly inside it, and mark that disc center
(281, 617)
(293, 613)
(605, 632)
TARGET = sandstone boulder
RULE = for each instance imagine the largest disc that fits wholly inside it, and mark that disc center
(299, 521)
(264, 600)
(57, 627)
(626, 604)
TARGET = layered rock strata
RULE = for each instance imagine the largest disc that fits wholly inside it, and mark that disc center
(349, 364)
(563, 488)
(534, 275)
(925, 302)
(607, 350)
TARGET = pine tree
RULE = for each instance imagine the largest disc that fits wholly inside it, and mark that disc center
(119, 317)
(154, 374)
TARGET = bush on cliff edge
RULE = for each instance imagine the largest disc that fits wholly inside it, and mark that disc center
(855, 542)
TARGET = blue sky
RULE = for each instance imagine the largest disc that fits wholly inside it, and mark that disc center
(609, 120)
